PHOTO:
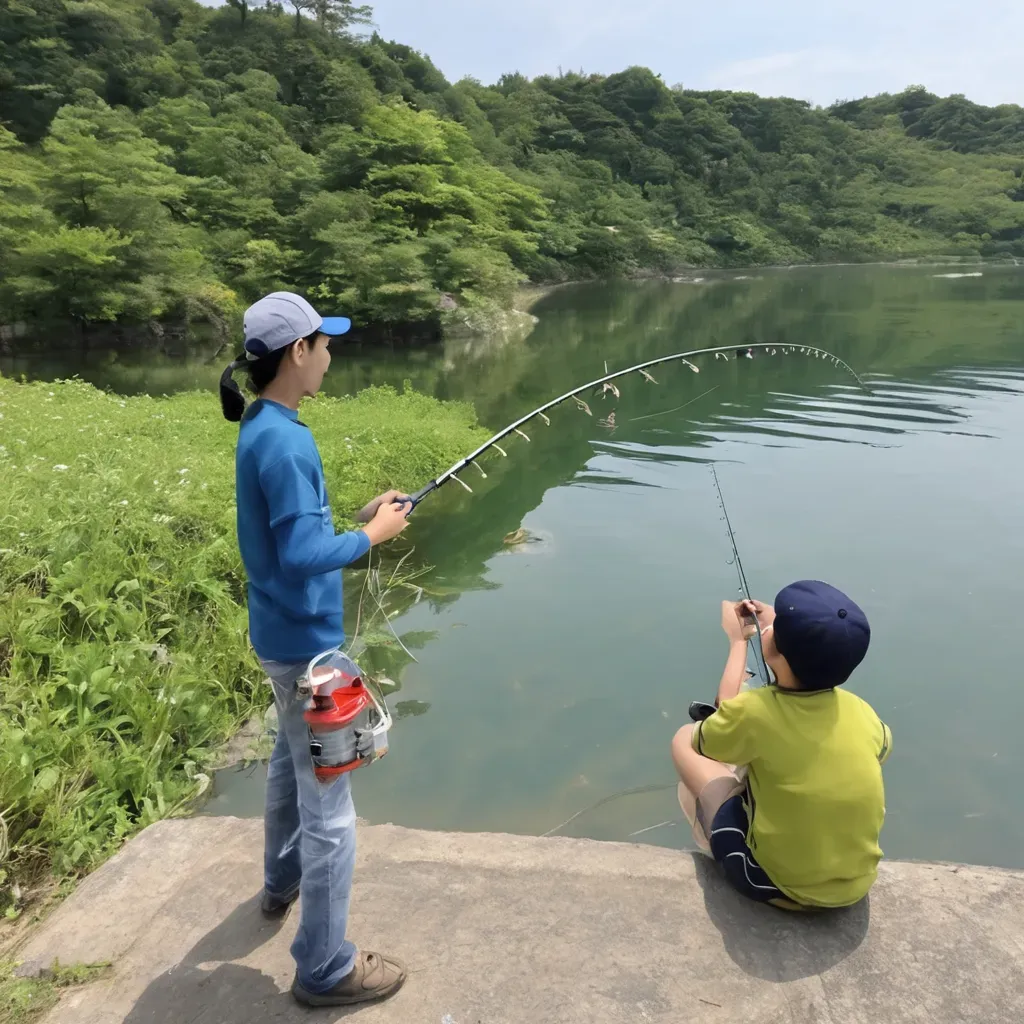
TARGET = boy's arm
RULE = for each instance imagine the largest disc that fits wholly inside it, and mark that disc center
(730, 734)
(738, 631)
(735, 672)
(307, 546)
(306, 542)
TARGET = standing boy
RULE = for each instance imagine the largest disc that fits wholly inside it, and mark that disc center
(293, 559)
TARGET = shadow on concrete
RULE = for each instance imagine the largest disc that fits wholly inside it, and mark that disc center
(778, 945)
(206, 988)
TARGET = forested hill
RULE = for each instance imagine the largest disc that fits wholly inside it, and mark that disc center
(163, 160)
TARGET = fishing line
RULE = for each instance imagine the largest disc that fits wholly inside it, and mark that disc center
(606, 800)
(758, 648)
(651, 828)
(668, 412)
(603, 384)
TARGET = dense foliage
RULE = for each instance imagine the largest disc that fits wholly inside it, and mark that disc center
(163, 160)
(124, 657)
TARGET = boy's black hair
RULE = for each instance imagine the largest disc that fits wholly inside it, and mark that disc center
(261, 372)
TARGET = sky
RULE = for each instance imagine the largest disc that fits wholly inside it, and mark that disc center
(821, 51)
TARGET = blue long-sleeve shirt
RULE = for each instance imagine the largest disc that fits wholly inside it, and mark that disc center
(292, 555)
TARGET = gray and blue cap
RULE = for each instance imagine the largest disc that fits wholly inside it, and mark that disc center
(269, 325)
(281, 318)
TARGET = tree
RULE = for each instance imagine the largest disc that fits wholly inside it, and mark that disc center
(242, 6)
(116, 243)
(299, 6)
(22, 212)
(102, 171)
(72, 272)
(337, 15)
(333, 16)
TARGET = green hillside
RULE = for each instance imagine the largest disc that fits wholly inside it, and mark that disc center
(160, 160)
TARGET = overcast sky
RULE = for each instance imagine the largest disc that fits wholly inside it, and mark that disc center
(819, 51)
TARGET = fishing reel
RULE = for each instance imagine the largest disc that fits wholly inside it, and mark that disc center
(699, 711)
(348, 723)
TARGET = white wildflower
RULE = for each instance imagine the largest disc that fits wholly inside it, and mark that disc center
(125, 502)
(60, 468)
(182, 472)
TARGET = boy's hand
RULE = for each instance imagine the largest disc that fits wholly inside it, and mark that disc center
(367, 512)
(389, 521)
(764, 613)
(732, 622)
(741, 620)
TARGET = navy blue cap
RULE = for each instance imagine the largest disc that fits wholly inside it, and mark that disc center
(821, 633)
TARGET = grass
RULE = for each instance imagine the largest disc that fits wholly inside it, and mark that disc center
(23, 1000)
(124, 659)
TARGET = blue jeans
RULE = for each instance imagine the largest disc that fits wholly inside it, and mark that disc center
(310, 840)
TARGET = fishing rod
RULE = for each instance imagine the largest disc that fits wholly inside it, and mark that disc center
(605, 384)
(750, 620)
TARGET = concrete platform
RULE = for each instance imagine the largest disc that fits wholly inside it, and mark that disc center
(502, 928)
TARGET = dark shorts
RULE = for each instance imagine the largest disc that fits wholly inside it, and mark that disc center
(729, 847)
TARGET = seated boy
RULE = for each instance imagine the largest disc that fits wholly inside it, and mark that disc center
(783, 784)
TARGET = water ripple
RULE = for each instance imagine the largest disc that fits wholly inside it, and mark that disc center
(951, 402)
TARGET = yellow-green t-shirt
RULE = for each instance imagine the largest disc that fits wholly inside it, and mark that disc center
(815, 794)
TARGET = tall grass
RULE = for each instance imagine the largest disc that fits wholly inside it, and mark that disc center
(124, 659)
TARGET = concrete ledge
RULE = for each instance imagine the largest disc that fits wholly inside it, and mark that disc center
(499, 928)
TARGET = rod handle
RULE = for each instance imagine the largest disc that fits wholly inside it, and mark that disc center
(421, 494)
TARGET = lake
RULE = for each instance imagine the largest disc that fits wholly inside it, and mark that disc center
(558, 671)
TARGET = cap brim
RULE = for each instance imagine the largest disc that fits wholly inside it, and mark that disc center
(334, 325)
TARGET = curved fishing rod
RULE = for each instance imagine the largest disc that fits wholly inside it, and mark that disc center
(762, 664)
(601, 382)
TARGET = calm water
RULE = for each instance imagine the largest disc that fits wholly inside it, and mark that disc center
(558, 673)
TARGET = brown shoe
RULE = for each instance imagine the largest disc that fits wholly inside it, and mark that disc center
(373, 977)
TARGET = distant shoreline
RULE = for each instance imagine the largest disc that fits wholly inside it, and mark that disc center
(420, 333)
(529, 295)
